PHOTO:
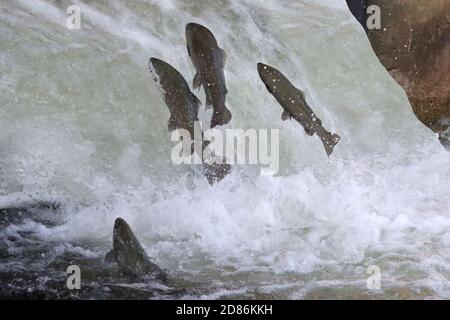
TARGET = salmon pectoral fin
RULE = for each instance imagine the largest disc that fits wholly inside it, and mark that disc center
(285, 116)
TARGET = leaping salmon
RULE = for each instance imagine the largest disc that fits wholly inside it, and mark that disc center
(293, 102)
(209, 61)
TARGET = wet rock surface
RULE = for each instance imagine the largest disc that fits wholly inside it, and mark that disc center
(414, 46)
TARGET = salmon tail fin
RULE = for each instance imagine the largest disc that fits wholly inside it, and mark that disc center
(329, 140)
(221, 118)
(216, 172)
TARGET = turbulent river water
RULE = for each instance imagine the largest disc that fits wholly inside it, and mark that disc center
(83, 124)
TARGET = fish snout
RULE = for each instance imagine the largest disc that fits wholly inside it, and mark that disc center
(193, 27)
(264, 71)
(156, 63)
(158, 68)
(197, 31)
(154, 60)
(120, 224)
(261, 65)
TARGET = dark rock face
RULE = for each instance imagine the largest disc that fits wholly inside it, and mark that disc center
(414, 46)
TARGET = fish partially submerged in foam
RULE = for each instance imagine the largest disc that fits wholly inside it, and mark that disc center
(129, 254)
(292, 100)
